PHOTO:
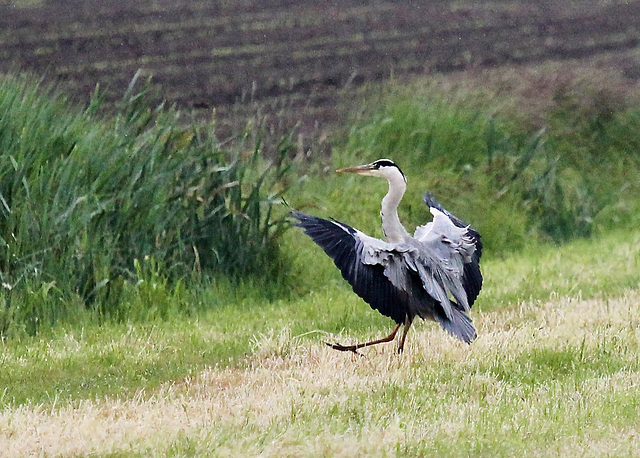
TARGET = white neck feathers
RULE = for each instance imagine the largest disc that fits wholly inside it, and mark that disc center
(393, 229)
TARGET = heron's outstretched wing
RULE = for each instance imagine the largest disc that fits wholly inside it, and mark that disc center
(353, 253)
(396, 278)
(431, 202)
(458, 247)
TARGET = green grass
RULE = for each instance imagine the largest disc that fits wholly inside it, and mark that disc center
(93, 205)
(548, 377)
(196, 363)
(226, 326)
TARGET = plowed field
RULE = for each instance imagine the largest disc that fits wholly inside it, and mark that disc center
(298, 58)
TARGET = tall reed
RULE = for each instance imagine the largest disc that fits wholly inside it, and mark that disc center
(83, 196)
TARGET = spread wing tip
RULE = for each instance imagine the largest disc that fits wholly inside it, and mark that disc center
(473, 234)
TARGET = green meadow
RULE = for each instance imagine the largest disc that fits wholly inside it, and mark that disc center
(155, 301)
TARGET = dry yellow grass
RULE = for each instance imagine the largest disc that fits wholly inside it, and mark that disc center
(553, 379)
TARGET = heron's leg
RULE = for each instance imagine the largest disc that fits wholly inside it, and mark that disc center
(407, 324)
(353, 348)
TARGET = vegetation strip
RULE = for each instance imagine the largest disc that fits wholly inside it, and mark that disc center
(532, 365)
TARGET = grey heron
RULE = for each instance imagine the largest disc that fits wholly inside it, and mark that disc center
(434, 274)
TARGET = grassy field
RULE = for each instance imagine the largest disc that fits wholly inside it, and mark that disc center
(224, 366)
(136, 318)
(554, 371)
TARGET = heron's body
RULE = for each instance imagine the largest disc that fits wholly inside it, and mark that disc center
(434, 275)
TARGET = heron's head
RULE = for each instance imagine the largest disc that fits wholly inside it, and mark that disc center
(384, 168)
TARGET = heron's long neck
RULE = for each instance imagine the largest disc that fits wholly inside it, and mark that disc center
(393, 229)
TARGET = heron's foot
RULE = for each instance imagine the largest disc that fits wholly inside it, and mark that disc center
(339, 347)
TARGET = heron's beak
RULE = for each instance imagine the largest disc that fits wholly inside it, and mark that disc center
(359, 169)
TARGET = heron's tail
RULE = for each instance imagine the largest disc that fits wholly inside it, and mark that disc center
(459, 326)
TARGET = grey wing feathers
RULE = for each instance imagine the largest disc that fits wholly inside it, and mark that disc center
(471, 277)
(431, 202)
(416, 277)
(459, 326)
(345, 246)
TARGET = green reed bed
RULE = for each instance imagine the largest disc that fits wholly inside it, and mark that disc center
(91, 205)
